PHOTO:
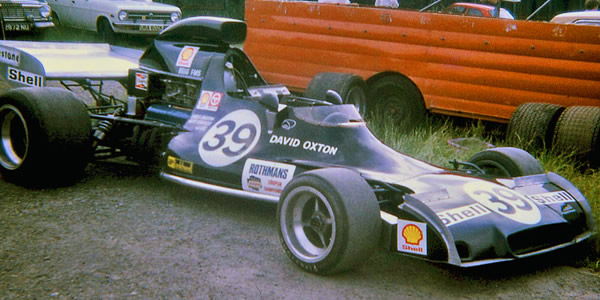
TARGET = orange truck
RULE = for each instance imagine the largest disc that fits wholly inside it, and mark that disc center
(411, 61)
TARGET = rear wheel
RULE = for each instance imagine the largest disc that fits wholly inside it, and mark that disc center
(328, 220)
(399, 98)
(532, 125)
(351, 87)
(507, 162)
(45, 136)
(578, 130)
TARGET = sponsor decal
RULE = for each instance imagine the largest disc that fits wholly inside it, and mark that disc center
(288, 124)
(26, 78)
(196, 73)
(198, 122)
(464, 213)
(266, 177)
(230, 139)
(412, 237)
(141, 81)
(10, 57)
(180, 164)
(254, 183)
(186, 56)
(552, 197)
(504, 201)
(306, 145)
(183, 71)
(209, 100)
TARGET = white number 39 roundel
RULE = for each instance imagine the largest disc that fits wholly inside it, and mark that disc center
(504, 201)
(230, 139)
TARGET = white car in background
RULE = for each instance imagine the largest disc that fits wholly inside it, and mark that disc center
(587, 17)
(111, 17)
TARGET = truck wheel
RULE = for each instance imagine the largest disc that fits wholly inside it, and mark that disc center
(400, 98)
(45, 136)
(507, 162)
(329, 220)
(106, 32)
(578, 130)
(532, 125)
(352, 88)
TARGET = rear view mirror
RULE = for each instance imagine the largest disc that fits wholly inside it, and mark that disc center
(333, 97)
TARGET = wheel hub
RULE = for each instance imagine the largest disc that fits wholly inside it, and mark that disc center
(316, 223)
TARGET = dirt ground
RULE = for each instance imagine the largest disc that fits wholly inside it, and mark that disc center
(123, 233)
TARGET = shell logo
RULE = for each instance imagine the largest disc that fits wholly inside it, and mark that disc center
(205, 97)
(187, 53)
(412, 234)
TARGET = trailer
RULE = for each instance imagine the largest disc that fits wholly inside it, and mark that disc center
(413, 62)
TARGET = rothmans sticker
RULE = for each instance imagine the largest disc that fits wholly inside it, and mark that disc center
(412, 237)
(186, 56)
(266, 177)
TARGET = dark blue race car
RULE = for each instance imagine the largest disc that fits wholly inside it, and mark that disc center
(197, 107)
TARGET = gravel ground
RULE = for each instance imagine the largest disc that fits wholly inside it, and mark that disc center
(122, 233)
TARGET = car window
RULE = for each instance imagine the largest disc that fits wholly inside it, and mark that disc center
(459, 10)
(475, 12)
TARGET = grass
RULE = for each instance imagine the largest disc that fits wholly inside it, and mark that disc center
(431, 143)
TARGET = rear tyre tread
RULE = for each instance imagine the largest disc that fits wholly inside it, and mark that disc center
(532, 125)
(578, 132)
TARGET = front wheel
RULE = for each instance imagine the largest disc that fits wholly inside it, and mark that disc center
(507, 162)
(45, 136)
(329, 220)
(106, 32)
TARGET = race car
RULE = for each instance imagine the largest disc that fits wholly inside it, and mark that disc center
(198, 108)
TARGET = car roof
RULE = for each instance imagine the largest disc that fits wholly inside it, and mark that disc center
(573, 17)
(504, 13)
(473, 5)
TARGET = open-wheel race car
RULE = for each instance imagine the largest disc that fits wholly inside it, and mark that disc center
(198, 108)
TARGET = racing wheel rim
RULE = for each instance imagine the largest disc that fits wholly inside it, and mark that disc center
(308, 224)
(14, 143)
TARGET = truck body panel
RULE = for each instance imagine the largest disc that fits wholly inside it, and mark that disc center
(465, 66)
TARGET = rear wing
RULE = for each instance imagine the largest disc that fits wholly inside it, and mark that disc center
(25, 64)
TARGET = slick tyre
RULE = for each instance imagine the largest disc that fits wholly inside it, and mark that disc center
(328, 220)
(507, 162)
(531, 126)
(351, 87)
(398, 98)
(578, 131)
(45, 136)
